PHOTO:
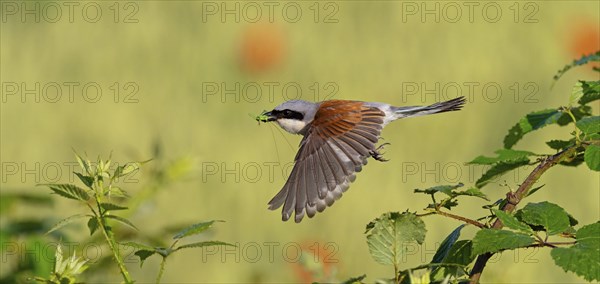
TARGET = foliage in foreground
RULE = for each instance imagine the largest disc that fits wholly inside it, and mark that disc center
(574, 248)
(105, 199)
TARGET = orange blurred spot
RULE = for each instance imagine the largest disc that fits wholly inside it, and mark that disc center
(584, 38)
(262, 47)
(318, 262)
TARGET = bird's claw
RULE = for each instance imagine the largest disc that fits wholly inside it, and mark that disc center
(377, 155)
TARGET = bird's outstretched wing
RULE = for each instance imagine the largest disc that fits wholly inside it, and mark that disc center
(341, 137)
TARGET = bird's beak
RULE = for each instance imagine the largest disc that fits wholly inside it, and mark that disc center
(266, 116)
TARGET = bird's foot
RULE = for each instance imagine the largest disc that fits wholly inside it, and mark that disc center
(377, 155)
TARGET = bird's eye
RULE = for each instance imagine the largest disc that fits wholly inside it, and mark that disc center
(287, 112)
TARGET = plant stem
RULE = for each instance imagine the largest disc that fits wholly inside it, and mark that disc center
(460, 218)
(162, 269)
(516, 197)
(456, 217)
(110, 239)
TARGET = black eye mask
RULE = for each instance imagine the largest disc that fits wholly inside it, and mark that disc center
(286, 113)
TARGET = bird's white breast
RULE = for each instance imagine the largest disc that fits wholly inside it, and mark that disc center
(291, 125)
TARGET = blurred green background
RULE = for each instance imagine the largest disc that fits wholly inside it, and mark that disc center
(167, 72)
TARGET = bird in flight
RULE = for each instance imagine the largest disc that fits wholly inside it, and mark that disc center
(339, 137)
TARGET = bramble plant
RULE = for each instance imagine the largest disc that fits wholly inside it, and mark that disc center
(100, 196)
(542, 224)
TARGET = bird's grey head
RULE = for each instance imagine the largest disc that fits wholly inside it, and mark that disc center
(294, 115)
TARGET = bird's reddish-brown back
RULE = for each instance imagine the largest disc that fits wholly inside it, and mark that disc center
(336, 117)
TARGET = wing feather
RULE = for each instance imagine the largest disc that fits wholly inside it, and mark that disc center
(335, 147)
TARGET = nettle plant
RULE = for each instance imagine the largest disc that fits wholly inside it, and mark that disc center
(574, 248)
(104, 199)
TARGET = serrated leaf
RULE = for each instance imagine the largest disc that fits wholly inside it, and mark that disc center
(388, 236)
(502, 156)
(143, 255)
(195, 229)
(581, 61)
(445, 246)
(499, 169)
(560, 144)
(111, 206)
(512, 222)
(494, 240)
(578, 112)
(128, 168)
(66, 221)
(205, 244)
(576, 93)
(583, 258)
(589, 125)
(447, 189)
(92, 225)
(592, 157)
(553, 218)
(69, 191)
(122, 220)
(355, 280)
(83, 163)
(531, 122)
(473, 191)
(590, 90)
(138, 246)
(88, 181)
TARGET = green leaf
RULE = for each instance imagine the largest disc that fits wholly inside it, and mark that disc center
(143, 255)
(111, 206)
(576, 93)
(503, 155)
(578, 112)
(355, 280)
(534, 190)
(560, 144)
(447, 189)
(590, 90)
(127, 168)
(66, 221)
(88, 181)
(195, 229)
(93, 225)
(69, 191)
(592, 157)
(205, 244)
(138, 246)
(589, 125)
(531, 122)
(581, 61)
(448, 242)
(460, 254)
(553, 218)
(122, 220)
(512, 222)
(498, 170)
(494, 240)
(118, 192)
(84, 164)
(583, 258)
(388, 235)
(473, 191)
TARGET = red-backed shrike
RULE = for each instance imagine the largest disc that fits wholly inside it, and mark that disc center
(339, 136)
